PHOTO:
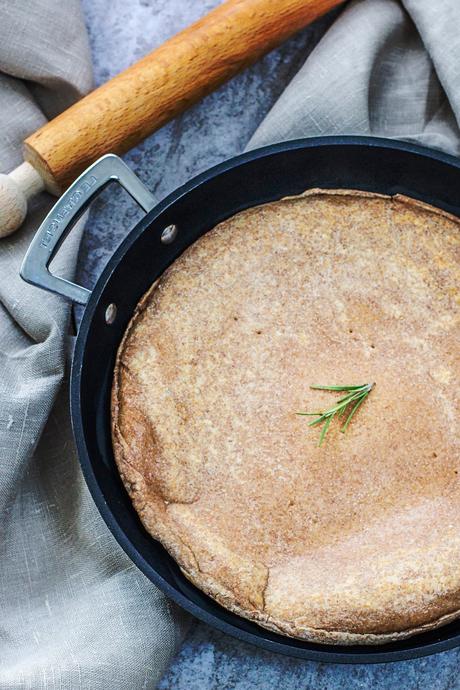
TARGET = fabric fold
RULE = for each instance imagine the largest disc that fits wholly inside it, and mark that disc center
(384, 69)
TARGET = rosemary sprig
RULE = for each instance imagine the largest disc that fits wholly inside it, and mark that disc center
(356, 395)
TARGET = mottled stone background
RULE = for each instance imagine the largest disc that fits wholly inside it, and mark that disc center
(122, 31)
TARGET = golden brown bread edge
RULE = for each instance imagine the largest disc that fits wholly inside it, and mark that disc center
(152, 512)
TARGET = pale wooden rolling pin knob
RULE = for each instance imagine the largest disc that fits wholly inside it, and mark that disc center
(16, 188)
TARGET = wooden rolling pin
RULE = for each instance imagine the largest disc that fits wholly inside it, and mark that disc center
(125, 110)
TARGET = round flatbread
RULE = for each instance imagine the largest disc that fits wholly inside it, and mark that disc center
(356, 541)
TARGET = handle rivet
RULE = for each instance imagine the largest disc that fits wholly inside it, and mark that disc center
(169, 234)
(110, 314)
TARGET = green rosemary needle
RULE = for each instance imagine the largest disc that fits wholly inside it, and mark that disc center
(355, 396)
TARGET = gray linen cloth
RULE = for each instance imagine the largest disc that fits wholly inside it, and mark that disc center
(384, 68)
(74, 612)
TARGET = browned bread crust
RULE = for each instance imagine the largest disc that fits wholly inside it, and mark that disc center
(356, 542)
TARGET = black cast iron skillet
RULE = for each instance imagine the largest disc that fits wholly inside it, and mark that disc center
(263, 175)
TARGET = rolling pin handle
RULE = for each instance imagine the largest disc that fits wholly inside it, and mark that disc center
(16, 189)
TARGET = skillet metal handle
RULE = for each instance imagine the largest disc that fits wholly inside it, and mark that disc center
(64, 215)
